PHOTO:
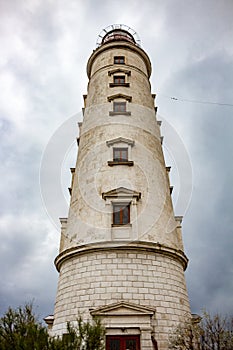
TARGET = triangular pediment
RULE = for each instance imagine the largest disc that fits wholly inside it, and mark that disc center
(121, 192)
(125, 97)
(120, 140)
(119, 70)
(123, 308)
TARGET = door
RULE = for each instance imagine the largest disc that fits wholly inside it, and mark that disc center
(122, 342)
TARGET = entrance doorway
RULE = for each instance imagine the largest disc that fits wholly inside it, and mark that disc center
(123, 342)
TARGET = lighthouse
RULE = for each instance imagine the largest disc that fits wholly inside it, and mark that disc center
(121, 254)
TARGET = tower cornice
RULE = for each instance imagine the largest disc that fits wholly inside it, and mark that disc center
(108, 246)
(119, 45)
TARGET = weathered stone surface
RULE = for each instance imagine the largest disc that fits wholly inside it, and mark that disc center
(142, 263)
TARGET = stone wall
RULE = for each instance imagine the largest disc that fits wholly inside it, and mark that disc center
(100, 278)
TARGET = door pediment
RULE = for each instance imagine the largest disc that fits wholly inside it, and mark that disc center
(122, 309)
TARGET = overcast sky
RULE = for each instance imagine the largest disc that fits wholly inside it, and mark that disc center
(45, 46)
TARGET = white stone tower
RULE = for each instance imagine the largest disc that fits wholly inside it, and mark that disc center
(121, 253)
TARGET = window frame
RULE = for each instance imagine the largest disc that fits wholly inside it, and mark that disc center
(124, 209)
(120, 144)
(118, 99)
(121, 107)
(119, 60)
(119, 79)
(124, 197)
(120, 150)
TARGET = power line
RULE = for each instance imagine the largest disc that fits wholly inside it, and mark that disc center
(197, 101)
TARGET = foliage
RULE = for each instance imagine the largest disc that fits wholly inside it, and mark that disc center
(20, 330)
(216, 332)
(212, 333)
(91, 335)
(186, 336)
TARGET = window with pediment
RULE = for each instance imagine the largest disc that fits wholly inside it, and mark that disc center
(119, 103)
(122, 207)
(120, 151)
(119, 80)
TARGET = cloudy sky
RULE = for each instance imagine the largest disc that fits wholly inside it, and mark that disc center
(45, 45)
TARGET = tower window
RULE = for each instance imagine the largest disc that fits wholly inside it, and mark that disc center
(119, 106)
(121, 214)
(119, 60)
(120, 151)
(119, 79)
(120, 154)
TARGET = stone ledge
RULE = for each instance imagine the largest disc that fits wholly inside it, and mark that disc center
(120, 162)
(122, 225)
(111, 246)
(119, 113)
(119, 84)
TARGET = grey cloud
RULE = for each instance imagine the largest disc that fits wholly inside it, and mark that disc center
(25, 261)
(206, 131)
